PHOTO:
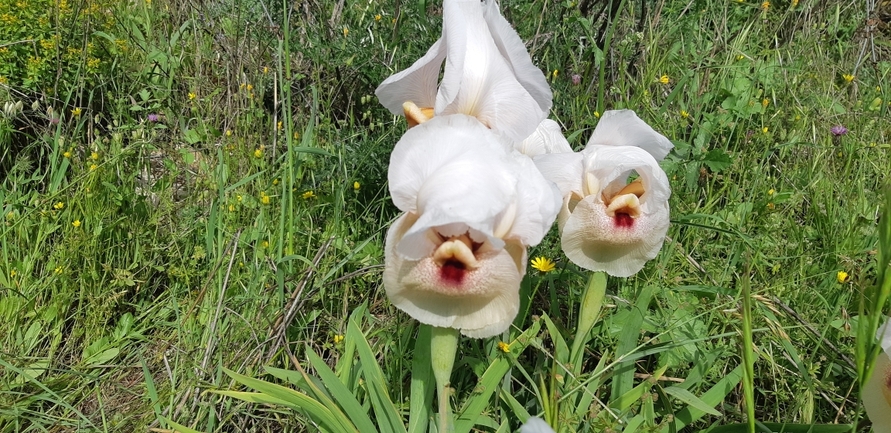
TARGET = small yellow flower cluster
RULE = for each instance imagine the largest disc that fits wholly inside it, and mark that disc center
(258, 152)
(264, 198)
(765, 5)
(664, 79)
(337, 339)
(66, 154)
(685, 114)
(765, 102)
(94, 156)
(76, 112)
(848, 78)
(597, 114)
(265, 70)
(308, 195)
(192, 96)
(504, 347)
(228, 133)
(764, 130)
(59, 206)
(280, 125)
(377, 17)
(59, 270)
(76, 223)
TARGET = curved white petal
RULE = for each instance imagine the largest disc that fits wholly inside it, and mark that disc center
(451, 170)
(877, 390)
(566, 170)
(481, 303)
(547, 138)
(607, 228)
(624, 128)
(538, 203)
(514, 51)
(477, 80)
(417, 83)
(536, 425)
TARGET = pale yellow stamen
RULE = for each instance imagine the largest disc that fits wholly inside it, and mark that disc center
(458, 248)
(626, 203)
(416, 115)
(592, 184)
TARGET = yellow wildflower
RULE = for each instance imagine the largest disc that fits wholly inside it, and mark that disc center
(280, 125)
(771, 192)
(771, 206)
(274, 182)
(597, 114)
(765, 102)
(250, 87)
(346, 32)
(94, 156)
(296, 135)
(377, 17)
(554, 74)
(308, 195)
(841, 277)
(764, 130)
(76, 223)
(337, 338)
(58, 270)
(664, 79)
(504, 347)
(265, 70)
(356, 186)
(543, 264)
(264, 244)
(76, 112)
(848, 78)
(765, 5)
(264, 198)
(192, 96)
(258, 153)
(67, 154)
(231, 208)
(794, 3)
(685, 114)
(228, 133)
(93, 167)
(59, 206)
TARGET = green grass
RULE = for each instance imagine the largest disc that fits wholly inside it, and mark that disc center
(217, 241)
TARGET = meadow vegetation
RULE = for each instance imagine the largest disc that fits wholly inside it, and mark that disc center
(195, 191)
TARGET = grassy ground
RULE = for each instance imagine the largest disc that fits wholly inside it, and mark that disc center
(211, 193)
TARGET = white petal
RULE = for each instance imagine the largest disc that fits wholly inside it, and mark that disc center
(877, 395)
(883, 334)
(536, 425)
(477, 80)
(514, 51)
(624, 128)
(547, 138)
(483, 304)
(566, 170)
(416, 84)
(538, 203)
(452, 171)
(592, 237)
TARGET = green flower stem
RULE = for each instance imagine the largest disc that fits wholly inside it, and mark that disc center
(443, 346)
(748, 355)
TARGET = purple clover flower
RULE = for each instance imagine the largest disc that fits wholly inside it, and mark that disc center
(838, 130)
(576, 79)
(154, 117)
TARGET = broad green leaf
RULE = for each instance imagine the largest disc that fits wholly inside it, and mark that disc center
(714, 396)
(623, 378)
(388, 418)
(178, 427)
(339, 391)
(291, 398)
(688, 397)
(422, 383)
(589, 311)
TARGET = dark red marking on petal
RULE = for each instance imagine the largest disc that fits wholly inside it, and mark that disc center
(453, 272)
(624, 220)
